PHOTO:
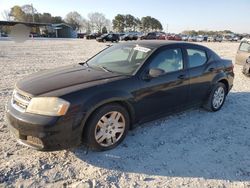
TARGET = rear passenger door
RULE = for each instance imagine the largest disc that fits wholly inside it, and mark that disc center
(201, 73)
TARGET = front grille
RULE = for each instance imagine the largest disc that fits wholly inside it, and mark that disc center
(20, 101)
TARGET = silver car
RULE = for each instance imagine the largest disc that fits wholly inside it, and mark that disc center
(243, 52)
(243, 56)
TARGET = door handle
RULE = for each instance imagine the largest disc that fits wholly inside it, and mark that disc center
(182, 76)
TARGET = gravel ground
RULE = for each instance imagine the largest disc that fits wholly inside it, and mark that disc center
(195, 148)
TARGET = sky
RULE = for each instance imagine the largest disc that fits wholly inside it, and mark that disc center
(175, 15)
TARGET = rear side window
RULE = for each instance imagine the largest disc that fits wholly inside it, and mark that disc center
(245, 47)
(196, 57)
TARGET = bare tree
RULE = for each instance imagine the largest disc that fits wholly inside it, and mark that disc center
(84, 25)
(29, 9)
(6, 15)
(30, 12)
(75, 20)
(98, 21)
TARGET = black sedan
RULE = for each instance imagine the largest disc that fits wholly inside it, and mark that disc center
(98, 101)
(108, 37)
(128, 37)
(93, 36)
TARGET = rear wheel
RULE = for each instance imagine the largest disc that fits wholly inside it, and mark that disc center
(216, 98)
(107, 127)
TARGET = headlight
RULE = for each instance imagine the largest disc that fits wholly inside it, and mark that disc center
(51, 106)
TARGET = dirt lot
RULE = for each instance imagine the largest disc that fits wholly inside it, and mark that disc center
(192, 149)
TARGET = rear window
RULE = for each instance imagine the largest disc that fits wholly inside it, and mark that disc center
(245, 47)
(196, 57)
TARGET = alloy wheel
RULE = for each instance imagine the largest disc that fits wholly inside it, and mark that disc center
(110, 128)
(218, 97)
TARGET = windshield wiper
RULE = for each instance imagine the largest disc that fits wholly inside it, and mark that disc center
(104, 68)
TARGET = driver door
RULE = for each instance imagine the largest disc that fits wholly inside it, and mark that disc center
(165, 93)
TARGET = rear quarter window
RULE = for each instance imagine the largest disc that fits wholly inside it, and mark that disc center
(245, 47)
(196, 57)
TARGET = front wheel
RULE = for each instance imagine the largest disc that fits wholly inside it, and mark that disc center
(216, 98)
(107, 127)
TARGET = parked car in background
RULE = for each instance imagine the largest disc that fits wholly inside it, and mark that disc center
(231, 38)
(121, 35)
(184, 37)
(129, 36)
(200, 38)
(80, 35)
(93, 36)
(111, 37)
(154, 36)
(214, 39)
(243, 56)
(192, 38)
(3, 34)
(236, 39)
(174, 37)
(211, 39)
(98, 101)
(218, 39)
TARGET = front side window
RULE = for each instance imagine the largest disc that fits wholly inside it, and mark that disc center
(169, 60)
(196, 57)
(123, 59)
(245, 47)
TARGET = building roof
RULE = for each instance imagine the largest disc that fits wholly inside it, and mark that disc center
(31, 24)
(61, 24)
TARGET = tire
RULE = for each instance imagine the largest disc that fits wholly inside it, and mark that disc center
(100, 131)
(216, 98)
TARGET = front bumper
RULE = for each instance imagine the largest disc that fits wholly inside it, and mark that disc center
(44, 132)
(246, 69)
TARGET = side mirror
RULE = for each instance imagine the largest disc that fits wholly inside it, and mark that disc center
(155, 72)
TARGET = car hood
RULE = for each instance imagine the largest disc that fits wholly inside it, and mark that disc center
(55, 79)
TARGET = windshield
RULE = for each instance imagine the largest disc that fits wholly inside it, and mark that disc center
(123, 59)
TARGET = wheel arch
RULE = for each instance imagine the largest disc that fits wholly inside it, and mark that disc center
(222, 78)
(116, 100)
(225, 82)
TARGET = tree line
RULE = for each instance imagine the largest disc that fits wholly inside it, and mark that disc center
(209, 33)
(128, 22)
(96, 22)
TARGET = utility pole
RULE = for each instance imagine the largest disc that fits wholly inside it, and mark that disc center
(32, 9)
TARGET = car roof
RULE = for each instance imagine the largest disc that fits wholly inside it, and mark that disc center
(158, 43)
